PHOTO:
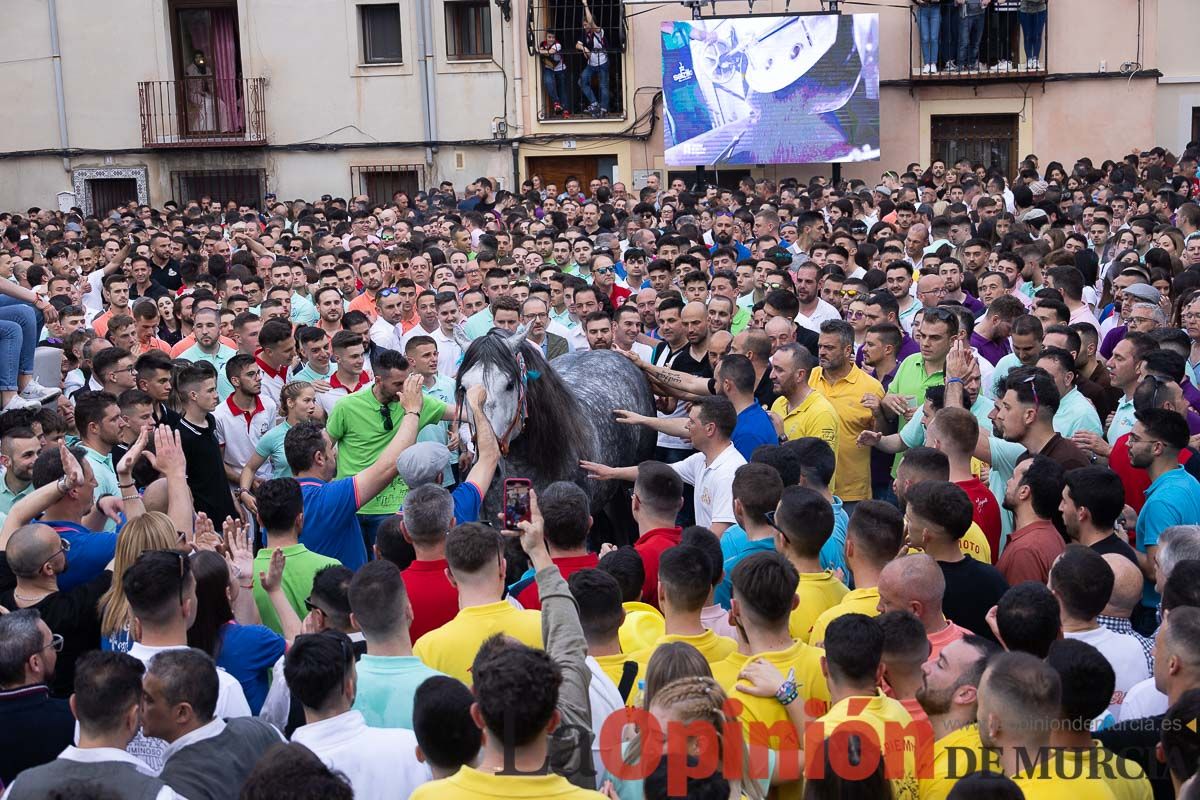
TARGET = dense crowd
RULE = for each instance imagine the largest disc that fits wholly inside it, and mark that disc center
(922, 518)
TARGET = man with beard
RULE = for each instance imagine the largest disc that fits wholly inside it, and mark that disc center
(813, 310)
(372, 280)
(1033, 495)
(722, 232)
(35, 727)
(19, 448)
(1173, 498)
(844, 385)
(949, 696)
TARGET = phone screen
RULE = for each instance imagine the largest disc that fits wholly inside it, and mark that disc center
(516, 504)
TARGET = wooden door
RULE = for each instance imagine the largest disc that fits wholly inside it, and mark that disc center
(556, 169)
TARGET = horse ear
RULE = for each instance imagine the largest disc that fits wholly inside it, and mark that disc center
(517, 338)
(461, 338)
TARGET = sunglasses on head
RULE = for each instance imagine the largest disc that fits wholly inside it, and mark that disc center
(389, 291)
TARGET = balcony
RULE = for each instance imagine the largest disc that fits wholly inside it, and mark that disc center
(568, 22)
(1005, 50)
(203, 112)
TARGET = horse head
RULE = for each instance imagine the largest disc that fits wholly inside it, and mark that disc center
(503, 364)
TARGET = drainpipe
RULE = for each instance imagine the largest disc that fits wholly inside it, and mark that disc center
(518, 125)
(59, 96)
(426, 62)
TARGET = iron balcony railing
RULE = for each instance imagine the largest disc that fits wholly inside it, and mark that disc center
(203, 112)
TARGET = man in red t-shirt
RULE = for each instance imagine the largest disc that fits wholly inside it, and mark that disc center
(955, 431)
(566, 522)
(657, 498)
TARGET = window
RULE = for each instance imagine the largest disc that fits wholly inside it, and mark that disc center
(239, 185)
(988, 139)
(380, 181)
(380, 25)
(468, 30)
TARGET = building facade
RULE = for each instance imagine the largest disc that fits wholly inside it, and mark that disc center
(174, 99)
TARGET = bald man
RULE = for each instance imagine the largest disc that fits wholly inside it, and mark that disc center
(37, 555)
(719, 343)
(779, 331)
(931, 290)
(915, 584)
(1126, 594)
(756, 346)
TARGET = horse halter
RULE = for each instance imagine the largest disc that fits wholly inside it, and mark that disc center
(522, 412)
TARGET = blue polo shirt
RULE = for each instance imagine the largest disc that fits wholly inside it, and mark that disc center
(331, 521)
(468, 502)
(1172, 499)
(736, 545)
(753, 428)
(90, 553)
(833, 552)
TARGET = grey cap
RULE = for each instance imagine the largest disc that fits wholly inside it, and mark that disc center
(423, 462)
(1033, 215)
(1145, 292)
(883, 190)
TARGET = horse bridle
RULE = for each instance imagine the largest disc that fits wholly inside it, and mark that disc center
(521, 414)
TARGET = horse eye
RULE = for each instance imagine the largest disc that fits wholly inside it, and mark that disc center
(509, 387)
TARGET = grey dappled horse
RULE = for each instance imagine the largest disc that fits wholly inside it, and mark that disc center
(549, 417)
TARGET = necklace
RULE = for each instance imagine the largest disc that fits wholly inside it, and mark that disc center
(30, 600)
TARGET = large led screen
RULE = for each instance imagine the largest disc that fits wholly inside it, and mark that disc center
(796, 89)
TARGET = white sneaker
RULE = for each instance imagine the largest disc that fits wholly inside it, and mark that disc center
(1037, 65)
(1001, 66)
(39, 394)
(18, 403)
(933, 69)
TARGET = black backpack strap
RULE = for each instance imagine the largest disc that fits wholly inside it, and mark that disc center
(629, 673)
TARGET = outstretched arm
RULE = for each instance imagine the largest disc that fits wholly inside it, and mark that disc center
(669, 378)
(487, 455)
(372, 480)
(672, 426)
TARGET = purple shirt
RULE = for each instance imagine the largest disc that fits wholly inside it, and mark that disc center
(1190, 393)
(908, 346)
(1110, 341)
(974, 303)
(991, 350)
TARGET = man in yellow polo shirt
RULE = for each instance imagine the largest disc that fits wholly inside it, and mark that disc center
(475, 557)
(803, 523)
(844, 385)
(873, 538)
(1020, 700)
(800, 410)
(516, 705)
(853, 668)
(949, 694)
(684, 584)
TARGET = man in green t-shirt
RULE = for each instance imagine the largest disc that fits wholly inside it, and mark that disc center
(364, 422)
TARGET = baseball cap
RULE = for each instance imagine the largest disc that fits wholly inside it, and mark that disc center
(1144, 291)
(423, 462)
(1038, 188)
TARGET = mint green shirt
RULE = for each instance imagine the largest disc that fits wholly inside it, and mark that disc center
(270, 447)
(218, 359)
(106, 479)
(386, 685)
(1076, 413)
(312, 376)
(479, 323)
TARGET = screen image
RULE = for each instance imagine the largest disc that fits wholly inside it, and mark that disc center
(796, 89)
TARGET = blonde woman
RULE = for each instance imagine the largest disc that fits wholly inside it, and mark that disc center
(297, 403)
(151, 531)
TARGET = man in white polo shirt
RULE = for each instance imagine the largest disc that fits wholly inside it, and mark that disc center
(349, 353)
(243, 418)
(710, 425)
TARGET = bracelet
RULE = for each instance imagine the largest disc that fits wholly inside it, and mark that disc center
(787, 693)
(249, 585)
(62, 485)
(954, 380)
(415, 413)
(134, 496)
(129, 485)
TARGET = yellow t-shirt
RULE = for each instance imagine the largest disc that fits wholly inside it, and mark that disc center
(1110, 767)
(852, 482)
(642, 626)
(813, 417)
(810, 683)
(950, 762)
(1047, 782)
(451, 648)
(857, 601)
(893, 726)
(973, 544)
(614, 668)
(714, 648)
(471, 784)
(818, 592)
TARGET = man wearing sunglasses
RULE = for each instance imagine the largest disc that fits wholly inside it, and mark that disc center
(604, 278)
(34, 728)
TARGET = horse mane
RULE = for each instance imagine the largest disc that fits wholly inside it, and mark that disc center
(553, 436)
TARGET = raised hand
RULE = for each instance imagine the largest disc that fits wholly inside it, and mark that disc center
(272, 579)
(239, 554)
(411, 396)
(129, 460)
(168, 457)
